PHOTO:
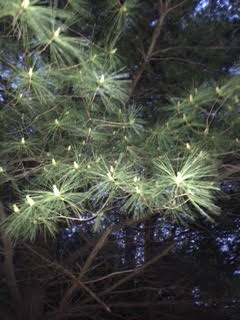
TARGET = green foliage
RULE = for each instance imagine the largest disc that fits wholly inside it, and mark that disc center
(27, 16)
(192, 182)
(75, 142)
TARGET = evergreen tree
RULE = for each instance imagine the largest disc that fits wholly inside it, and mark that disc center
(75, 145)
(113, 111)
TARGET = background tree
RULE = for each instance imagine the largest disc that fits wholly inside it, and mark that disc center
(107, 118)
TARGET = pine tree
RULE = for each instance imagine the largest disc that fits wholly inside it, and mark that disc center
(75, 139)
(111, 112)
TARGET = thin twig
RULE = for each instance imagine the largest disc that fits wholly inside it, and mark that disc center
(70, 275)
(66, 298)
(139, 270)
(163, 12)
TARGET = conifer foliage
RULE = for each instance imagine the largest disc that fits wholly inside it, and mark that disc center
(113, 114)
(75, 138)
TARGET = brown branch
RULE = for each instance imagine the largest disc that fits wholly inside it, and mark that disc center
(156, 33)
(163, 12)
(178, 59)
(72, 290)
(139, 270)
(194, 47)
(110, 275)
(176, 6)
(23, 175)
(70, 275)
(95, 251)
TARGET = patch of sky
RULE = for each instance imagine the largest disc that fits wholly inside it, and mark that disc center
(236, 272)
(123, 260)
(225, 242)
(221, 4)
(235, 16)
(1, 98)
(70, 231)
(202, 6)
(139, 253)
(139, 256)
(224, 248)
(166, 232)
(14, 86)
(196, 292)
(5, 74)
(122, 76)
(121, 243)
(178, 231)
(229, 186)
(224, 3)
(153, 23)
(120, 236)
(231, 238)
(235, 70)
(31, 130)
